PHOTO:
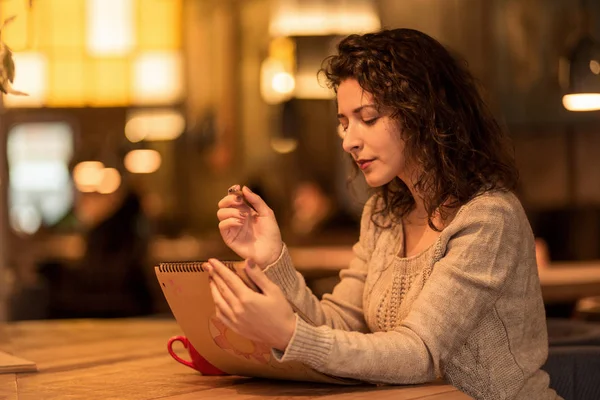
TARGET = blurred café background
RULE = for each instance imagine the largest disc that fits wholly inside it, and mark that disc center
(141, 113)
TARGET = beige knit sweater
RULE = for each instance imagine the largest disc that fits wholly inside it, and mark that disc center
(468, 309)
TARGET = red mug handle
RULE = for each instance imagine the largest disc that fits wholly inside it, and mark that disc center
(185, 343)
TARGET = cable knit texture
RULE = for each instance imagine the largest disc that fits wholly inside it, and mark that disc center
(468, 309)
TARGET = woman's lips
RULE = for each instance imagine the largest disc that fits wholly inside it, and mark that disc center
(364, 164)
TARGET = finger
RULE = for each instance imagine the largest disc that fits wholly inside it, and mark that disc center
(230, 278)
(239, 196)
(258, 277)
(225, 213)
(227, 321)
(230, 223)
(256, 201)
(225, 291)
(220, 304)
(232, 200)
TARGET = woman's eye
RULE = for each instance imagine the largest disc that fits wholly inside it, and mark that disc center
(370, 121)
(341, 130)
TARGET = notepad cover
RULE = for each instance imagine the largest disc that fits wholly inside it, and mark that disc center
(186, 288)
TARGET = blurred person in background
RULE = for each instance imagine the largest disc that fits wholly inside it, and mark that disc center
(110, 280)
(107, 279)
(315, 216)
(444, 280)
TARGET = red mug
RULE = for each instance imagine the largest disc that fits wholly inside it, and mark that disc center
(198, 362)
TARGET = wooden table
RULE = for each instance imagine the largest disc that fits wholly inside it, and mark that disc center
(570, 281)
(127, 359)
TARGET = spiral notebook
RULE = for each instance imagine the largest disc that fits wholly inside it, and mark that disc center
(186, 288)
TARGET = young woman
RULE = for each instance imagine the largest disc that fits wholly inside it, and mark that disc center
(444, 280)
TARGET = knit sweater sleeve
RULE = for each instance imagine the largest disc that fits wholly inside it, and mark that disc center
(343, 308)
(463, 286)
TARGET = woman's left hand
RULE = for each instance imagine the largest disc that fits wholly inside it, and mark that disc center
(265, 317)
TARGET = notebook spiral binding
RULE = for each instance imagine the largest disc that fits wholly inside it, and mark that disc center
(189, 266)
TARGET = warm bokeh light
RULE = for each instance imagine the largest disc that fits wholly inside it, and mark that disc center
(582, 101)
(31, 78)
(157, 78)
(284, 145)
(294, 18)
(110, 182)
(283, 83)
(87, 175)
(143, 161)
(92, 176)
(276, 83)
(595, 67)
(110, 27)
(154, 125)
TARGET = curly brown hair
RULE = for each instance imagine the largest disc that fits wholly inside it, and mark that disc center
(448, 129)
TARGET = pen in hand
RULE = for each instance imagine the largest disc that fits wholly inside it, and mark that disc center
(238, 192)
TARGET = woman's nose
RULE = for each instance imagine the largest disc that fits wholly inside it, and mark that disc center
(351, 141)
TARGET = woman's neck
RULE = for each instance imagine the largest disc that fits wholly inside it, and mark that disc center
(419, 215)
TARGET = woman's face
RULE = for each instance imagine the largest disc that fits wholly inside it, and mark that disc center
(370, 136)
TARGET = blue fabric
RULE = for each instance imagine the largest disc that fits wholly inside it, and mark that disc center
(574, 371)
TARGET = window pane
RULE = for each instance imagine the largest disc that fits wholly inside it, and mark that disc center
(159, 25)
(66, 80)
(110, 27)
(157, 78)
(108, 82)
(31, 77)
(40, 186)
(68, 23)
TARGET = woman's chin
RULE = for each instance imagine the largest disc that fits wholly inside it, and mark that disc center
(374, 182)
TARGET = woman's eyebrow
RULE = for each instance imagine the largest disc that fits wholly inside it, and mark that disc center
(359, 109)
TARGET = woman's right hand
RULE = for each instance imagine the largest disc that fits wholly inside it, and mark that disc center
(250, 234)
